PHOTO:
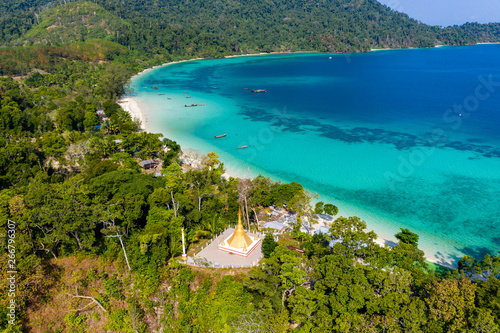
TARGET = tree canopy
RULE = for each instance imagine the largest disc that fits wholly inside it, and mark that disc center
(98, 238)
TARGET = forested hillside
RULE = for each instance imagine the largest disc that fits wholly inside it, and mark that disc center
(215, 28)
(93, 240)
(18, 16)
(77, 21)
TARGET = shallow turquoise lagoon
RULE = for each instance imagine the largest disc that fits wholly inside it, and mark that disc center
(401, 138)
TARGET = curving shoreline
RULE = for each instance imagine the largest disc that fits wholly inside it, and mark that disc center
(225, 57)
(136, 110)
(430, 250)
(133, 107)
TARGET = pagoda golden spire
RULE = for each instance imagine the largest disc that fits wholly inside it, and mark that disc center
(239, 239)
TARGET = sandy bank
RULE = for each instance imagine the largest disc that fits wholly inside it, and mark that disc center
(133, 107)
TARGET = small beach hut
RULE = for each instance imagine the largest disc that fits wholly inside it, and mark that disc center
(147, 164)
(275, 226)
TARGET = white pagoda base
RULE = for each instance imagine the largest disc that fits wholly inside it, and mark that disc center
(240, 252)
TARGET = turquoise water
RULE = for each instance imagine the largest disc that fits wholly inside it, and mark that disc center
(401, 138)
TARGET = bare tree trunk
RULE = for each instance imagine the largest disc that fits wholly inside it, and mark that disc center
(75, 234)
(199, 204)
(256, 217)
(87, 297)
(246, 213)
(124, 252)
(173, 203)
(47, 250)
(289, 291)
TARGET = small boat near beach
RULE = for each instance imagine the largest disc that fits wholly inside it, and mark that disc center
(155, 88)
(188, 96)
(242, 147)
(220, 136)
(190, 105)
(160, 94)
(258, 90)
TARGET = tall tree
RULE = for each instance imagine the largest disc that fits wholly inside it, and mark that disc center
(112, 83)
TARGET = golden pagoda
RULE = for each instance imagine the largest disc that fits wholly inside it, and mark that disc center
(239, 242)
(239, 239)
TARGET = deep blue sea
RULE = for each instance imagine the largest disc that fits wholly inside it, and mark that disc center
(400, 138)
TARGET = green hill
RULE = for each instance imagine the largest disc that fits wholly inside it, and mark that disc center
(18, 16)
(76, 21)
(22, 60)
(168, 28)
(213, 27)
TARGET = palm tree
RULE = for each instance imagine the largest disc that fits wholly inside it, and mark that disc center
(110, 127)
(213, 225)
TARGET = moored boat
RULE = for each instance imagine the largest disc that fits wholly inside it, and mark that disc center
(258, 90)
(220, 136)
(190, 105)
(242, 147)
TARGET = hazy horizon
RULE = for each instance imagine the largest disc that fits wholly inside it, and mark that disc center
(448, 12)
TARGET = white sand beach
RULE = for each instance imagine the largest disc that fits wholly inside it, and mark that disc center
(132, 106)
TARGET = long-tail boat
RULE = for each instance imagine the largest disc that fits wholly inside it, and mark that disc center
(220, 136)
(241, 147)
